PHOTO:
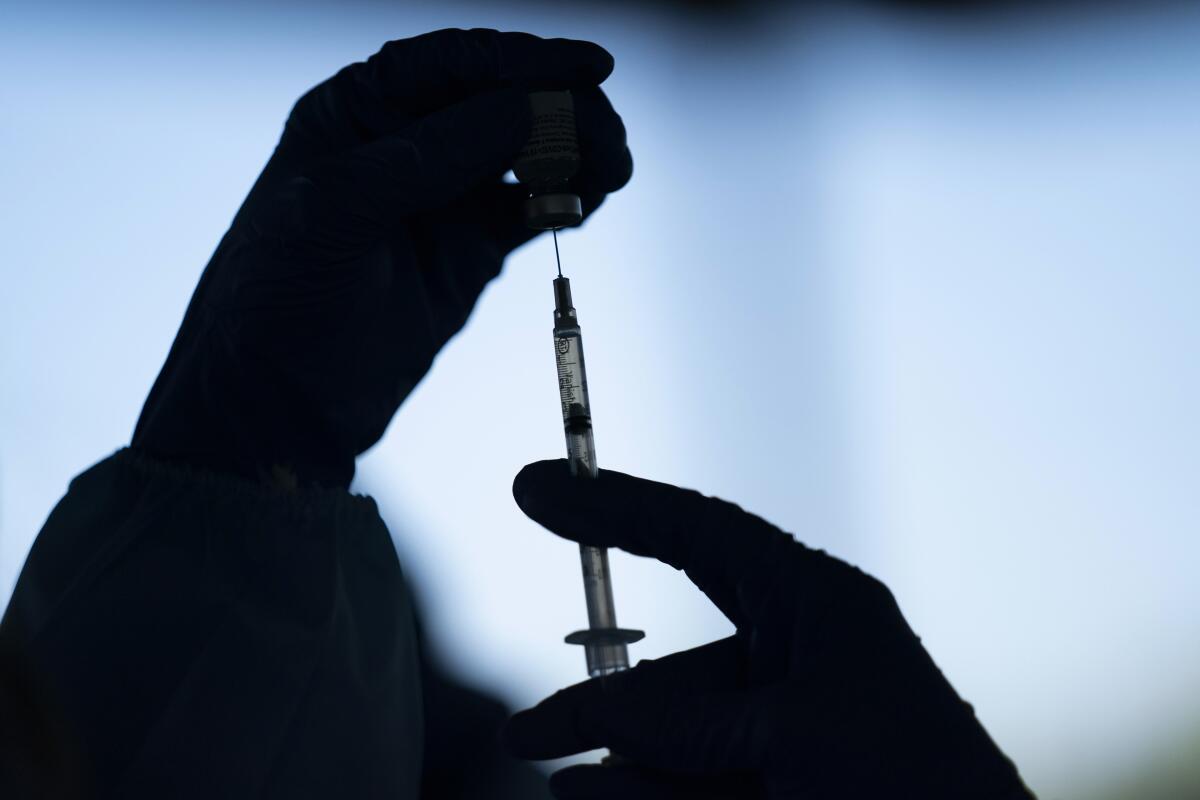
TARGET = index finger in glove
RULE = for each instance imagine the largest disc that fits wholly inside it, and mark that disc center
(353, 198)
(733, 556)
(411, 77)
(429, 71)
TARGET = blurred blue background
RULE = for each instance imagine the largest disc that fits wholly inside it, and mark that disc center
(919, 287)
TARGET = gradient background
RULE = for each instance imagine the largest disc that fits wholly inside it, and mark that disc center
(918, 286)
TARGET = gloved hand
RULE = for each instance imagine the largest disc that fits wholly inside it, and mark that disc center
(823, 692)
(362, 248)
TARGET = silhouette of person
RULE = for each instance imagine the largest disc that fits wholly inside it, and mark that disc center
(211, 613)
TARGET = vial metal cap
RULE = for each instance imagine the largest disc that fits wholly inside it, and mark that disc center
(544, 212)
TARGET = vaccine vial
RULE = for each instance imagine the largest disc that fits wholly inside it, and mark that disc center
(549, 160)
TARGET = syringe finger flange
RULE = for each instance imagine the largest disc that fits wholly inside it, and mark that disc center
(591, 636)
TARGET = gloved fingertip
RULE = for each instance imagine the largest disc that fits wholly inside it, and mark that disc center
(590, 63)
(606, 177)
(625, 174)
(539, 481)
(535, 734)
(599, 64)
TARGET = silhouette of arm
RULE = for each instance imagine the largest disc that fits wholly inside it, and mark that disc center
(362, 249)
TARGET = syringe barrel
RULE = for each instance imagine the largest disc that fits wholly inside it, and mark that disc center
(576, 408)
(603, 657)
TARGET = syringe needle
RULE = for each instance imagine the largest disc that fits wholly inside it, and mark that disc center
(557, 260)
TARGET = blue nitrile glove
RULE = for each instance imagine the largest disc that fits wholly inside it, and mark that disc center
(362, 248)
(823, 692)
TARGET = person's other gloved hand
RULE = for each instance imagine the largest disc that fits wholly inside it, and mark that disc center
(823, 692)
(363, 247)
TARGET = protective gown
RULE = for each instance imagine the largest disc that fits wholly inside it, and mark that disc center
(204, 636)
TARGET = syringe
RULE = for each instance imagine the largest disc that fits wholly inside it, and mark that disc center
(546, 165)
(603, 642)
